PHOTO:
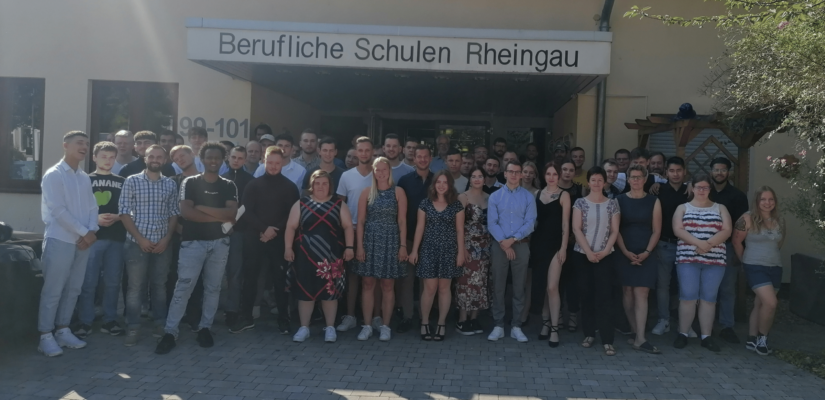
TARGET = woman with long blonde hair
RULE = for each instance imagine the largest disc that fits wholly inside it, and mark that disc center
(381, 234)
(757, 237)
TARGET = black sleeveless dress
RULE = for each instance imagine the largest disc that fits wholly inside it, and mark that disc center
(544, 243)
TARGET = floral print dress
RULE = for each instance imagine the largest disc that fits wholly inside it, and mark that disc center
(472, 286)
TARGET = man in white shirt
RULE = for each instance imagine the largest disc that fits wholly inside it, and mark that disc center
(289, 169)
(125, 143)
(352, 183)
(460, 182)
(392, 150)
(69, 210)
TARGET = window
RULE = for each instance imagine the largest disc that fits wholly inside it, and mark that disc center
(21, 134)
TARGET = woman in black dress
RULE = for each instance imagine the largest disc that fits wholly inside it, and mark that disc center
(639, 229)
(318, 240)
(548, 250)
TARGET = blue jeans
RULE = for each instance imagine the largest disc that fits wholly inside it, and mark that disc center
(234, 272)
(699, 281)
(666, 253)
(727, 290)
(106, 256)
(64, 267)
(196, 256)
(141, 267)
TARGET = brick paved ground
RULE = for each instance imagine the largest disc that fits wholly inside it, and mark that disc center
(262, 364)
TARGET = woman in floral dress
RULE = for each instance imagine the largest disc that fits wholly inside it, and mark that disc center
(472, 286)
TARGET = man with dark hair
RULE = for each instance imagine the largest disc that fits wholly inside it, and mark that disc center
(70, 212)
(409, 151)
(267, 201)
(149, 209)
(454, 167)
(560, 152)
(736, 202)
(263, 129)
(234, 262)
(179, 139)
(352, 158)
(392, 150)
(106, 254)
(328, 152)
(611, 169)
(289, 169)
(531, 154)
(415, 185)
(491, 167)
(254, 151)
(350, 186)
(309, 158)
(578, 157)
(480, 154)
(657, 163)
(671, 195)
(499, 147)
(143, 140)
(206, 201)
(622, 157)
(439, 161)
(125, 142)
(467, 163)
(509, 156)
(511, 216)
(166, 139)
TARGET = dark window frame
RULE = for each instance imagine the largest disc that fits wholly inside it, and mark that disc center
(8, 185)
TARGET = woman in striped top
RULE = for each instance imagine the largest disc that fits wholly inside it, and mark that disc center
(702, 227)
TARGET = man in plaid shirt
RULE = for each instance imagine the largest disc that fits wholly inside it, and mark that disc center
(149, 210)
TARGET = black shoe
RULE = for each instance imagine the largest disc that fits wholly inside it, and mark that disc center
(709, 344)
(242, 324)
(230, 318)
(82, 331)
(404, 326)
(166, 344)
(729, 335)
(205, 338)
(283, 327)
(476, 326)
(681, 341)
(762, 346)
(545, 324)
(750, 344)
(112, 328)
(465, 328)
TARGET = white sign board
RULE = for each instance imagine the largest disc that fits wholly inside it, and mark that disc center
(400, 52)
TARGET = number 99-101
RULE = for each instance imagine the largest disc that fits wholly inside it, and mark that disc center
(230, 128)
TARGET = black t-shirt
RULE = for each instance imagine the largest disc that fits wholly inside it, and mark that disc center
(335, 174)
(203, 193)
(670, 200)
(106, 189)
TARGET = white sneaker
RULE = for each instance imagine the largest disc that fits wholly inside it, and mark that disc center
(131, 338)
(347, 323)
(661, 328)
(386, 333)
(517, 334)
(366, 332)
(330, 335)
(692, 333)
(301, 335)
(496, 334)
(377, 322)
(256, 312)
(49, 346)
(65, 338)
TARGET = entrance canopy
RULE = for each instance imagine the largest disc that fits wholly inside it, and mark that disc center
(355, 68)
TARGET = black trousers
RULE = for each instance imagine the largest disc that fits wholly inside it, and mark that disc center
(259, 255)
(568, 284)
(595, 288)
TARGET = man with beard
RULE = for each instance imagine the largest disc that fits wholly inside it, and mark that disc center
(442, 145)
(125, 143)
(352, 183)
(657, 163)
(531, 154)
(309, 158)
(577, 155)
(499, 147)
(143, 140)
(560, 152)
(253, 157)
(392, 150)
(234, 262)
(736, 202)
(491, 183)
(148, 208)
(206, 201)
(480, 154)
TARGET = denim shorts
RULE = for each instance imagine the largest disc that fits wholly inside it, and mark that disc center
(760, 275)
(699, 281)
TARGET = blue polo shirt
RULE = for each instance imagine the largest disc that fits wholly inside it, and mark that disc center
(416, 190)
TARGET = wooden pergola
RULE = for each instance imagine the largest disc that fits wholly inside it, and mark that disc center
(685, 130)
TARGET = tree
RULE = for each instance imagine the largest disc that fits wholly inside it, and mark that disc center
(772, 77)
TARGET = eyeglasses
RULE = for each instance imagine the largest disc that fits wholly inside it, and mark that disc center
(636, 178)
(701, 188)
(720, 171)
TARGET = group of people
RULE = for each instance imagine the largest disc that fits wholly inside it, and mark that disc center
(180, 219)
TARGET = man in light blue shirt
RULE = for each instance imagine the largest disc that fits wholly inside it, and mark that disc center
(393, 150)
(69, 210)
(511, 216)
(439, 162)
(291, 170)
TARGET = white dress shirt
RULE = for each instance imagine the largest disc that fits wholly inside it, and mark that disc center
(293, 171)
(68, 206)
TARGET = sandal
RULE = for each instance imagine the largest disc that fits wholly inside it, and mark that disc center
(647, 348)
(609, 350)
(572, 324)
(553, 329)
(546, 324)
(438, 336)
(588, 342)
(427, 335)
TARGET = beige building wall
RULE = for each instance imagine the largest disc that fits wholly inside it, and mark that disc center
(281, 112)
